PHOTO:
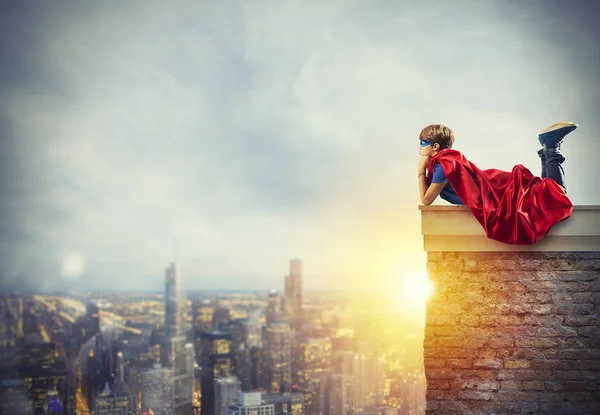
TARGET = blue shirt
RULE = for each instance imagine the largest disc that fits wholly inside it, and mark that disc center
(448, 193)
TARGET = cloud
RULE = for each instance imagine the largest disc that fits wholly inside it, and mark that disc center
(235, 137)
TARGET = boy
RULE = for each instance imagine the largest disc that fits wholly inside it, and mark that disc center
(513, 207)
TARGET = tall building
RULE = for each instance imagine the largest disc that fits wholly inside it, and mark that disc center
(202, 315)
(258, 377)
(286, 403)
(114, 403)
(293, 290)
(227, 391)
(175, 353)
(273, 308)
(157, 389)
(278, 346)
(369, 374)
(11, 323)
(237, 331)
(36, 389)
(221, 316)
(314, 360)
(14, 399)
(251, 403)
(174, 301)
(253, 328)
(120, 368)
(215, 363)
(338, 394)
(92, 318)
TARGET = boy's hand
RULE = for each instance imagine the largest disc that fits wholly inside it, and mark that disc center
(423, 162)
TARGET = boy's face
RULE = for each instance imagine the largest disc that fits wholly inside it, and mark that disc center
(426, 148)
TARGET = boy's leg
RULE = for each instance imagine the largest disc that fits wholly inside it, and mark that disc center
(554, 168)
(552, 159)
(543, 160)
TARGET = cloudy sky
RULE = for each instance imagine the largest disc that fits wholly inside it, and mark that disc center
(235, 136)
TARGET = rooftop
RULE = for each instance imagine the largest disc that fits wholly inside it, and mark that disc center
(454, 228)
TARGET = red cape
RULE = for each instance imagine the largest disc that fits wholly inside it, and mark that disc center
(513, 207)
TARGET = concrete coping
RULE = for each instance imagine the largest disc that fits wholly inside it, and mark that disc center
(454, 228)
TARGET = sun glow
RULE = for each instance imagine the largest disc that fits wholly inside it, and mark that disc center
(413, 291)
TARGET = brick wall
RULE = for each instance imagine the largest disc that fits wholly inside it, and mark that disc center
(513, 332)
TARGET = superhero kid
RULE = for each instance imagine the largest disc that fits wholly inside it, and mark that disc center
(513, 207)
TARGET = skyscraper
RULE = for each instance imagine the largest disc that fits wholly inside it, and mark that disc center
(293, 290)
(314, 361)
(273, 308)
(251, 403)
(227, 392)
(278, 345)
(157, 389)
(174, 301)
(114, 403)
(253, 328)
(92, 316)
(215, 362)
(175, 353)
(369, 375)
(286, 403)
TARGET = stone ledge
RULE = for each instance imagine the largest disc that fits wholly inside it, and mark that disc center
(454, 228)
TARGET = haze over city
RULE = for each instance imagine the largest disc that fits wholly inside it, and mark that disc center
(234, 136)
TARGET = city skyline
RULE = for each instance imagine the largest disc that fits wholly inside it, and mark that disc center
(231, 138)
(309, 354)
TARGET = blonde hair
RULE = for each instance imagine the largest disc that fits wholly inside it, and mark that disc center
(438, 133)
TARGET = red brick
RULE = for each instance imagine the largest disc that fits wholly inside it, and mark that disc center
(591, 364)
(501, 342)
(516, 363)
(510, 395)
(510, 385)
(533, 385)
(580, 320)
(528, 374)
(459, 363)
(484, 385)
(433, 384)
(488, 363)
(470, 320)
(475, 395)
(440, 374)
(556, 331)
(441, 394)
(506, 374)
(434, 363)
(481, 374)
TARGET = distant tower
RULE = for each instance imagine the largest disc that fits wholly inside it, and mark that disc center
(157, 389)
(273, 308)
(278, 345)
(92, 315)
(120, 367)
(215, 363)
(174, 301)
(175, 353)
(293, 290)
(227, 392)
(221, 316)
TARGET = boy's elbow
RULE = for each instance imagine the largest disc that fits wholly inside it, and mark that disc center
(426, 201)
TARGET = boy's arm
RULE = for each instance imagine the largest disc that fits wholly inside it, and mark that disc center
(428, 193)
